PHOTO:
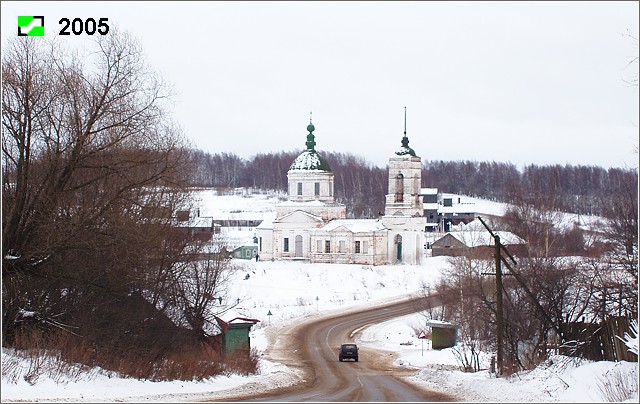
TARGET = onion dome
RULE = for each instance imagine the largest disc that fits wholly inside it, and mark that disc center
(310, 159)
(405, 149)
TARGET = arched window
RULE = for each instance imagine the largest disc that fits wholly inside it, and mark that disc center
(399, 187)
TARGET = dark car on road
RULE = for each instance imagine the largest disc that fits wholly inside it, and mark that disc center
(348, 351)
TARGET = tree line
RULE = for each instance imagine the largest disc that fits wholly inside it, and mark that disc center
(362, 186)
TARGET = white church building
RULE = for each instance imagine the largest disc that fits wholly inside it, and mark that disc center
(310, 225)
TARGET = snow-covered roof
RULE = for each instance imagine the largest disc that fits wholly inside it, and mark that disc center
(314, 203)
(354, 225)
(428, 191)
(197, 222)
(469, 204)
(474, 234)
(484, 238)
(245, 206)
(232, 317)
(440, 324)
(267, 222)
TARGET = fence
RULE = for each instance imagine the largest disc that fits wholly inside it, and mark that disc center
(598, 342)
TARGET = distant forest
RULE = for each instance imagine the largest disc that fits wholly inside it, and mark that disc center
(362, 186)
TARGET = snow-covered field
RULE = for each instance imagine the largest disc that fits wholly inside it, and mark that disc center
(291, 291)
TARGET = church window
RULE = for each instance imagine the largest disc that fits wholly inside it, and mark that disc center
(327, 246)
(298, 246)
(399, 187)
(285, 247)
(299, 188)
(317, 188)
(357, 247)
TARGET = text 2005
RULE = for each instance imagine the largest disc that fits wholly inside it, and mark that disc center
(79, 26)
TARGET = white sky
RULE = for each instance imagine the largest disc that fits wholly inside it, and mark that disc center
(520, 82)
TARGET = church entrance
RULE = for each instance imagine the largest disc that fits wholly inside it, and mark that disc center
(398, 242)
(298, 247)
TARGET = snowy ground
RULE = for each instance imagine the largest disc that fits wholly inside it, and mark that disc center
(294, 290)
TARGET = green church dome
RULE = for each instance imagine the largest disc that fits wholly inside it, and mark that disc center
(405, 149)
(310, 159)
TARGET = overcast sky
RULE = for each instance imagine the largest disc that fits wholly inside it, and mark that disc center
(520, 82)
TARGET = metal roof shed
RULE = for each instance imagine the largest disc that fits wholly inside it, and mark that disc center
(235, 333)
(443, 334)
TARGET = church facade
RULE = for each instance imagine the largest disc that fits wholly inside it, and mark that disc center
(311, 226)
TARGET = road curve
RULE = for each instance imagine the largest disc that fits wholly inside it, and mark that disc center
(312, 346)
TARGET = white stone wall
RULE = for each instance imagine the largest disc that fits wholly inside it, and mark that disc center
(411, 169)
(376, 250)
(308, 179)
(405, 218)
(265, 243)
(412, 247)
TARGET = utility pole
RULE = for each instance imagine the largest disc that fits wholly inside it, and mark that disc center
(499, 308)
(499, 315)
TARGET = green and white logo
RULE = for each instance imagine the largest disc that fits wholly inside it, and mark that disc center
(30, 25)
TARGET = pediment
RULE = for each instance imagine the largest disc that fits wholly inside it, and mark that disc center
(340, 229)
(299, 216)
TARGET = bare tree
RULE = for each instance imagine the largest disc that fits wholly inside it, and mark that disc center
(203, 293)
(92, 174)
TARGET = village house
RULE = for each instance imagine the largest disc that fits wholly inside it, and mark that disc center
(475, 240)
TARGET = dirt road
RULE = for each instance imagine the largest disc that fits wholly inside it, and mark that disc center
(312, 347)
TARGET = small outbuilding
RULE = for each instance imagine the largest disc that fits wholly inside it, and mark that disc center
(235, 333)
(245, 252)
(443, 334)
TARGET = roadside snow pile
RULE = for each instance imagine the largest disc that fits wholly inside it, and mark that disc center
(559, 379)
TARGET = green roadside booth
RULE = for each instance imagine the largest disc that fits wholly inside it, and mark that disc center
(235, 333)
(443, 334)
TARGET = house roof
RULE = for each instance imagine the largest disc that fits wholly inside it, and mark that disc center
(245, 245)
(484, 238)
(224, 325)
(474, 234)
(198, 222)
